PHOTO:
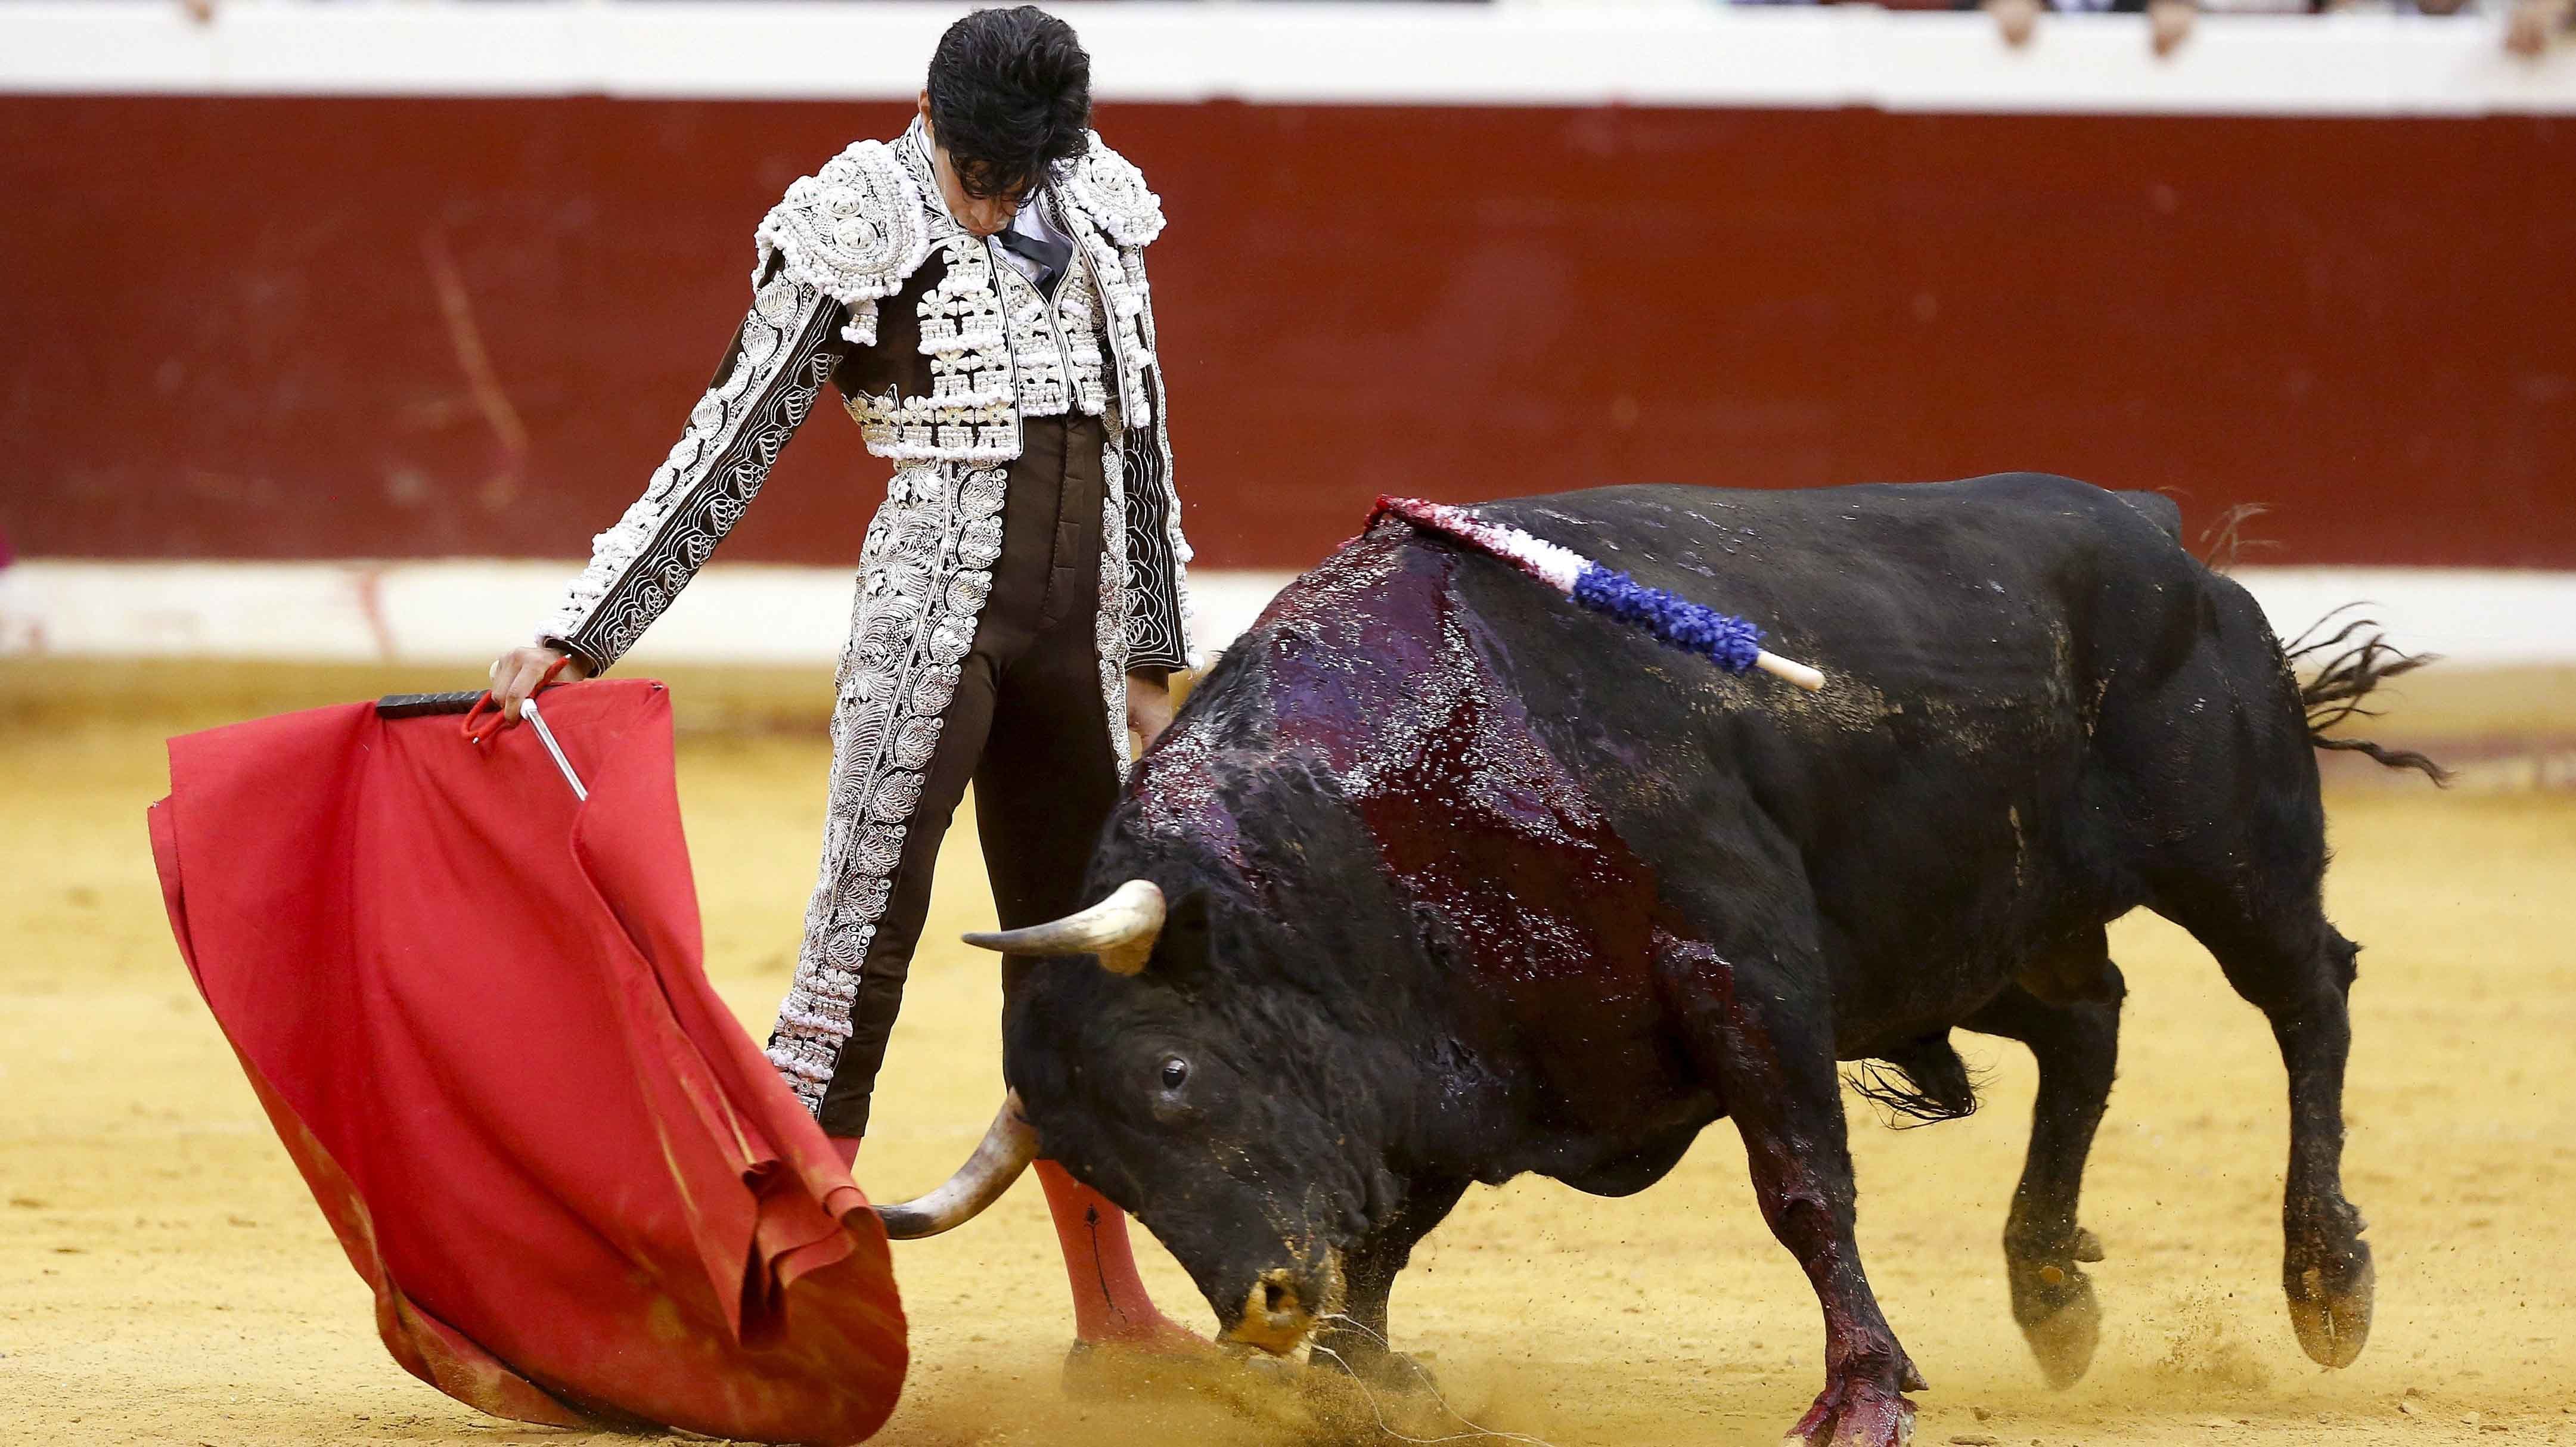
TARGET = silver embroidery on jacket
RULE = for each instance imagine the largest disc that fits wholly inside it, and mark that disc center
(1109, 624)
(924, 574)
(724, 454)
(1109, 186)
(1037, 326)
(968, 415)
(1078, 306)
(1159, 566)
(855, 231)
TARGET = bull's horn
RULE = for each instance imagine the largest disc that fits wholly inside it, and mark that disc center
(1119, 929)
(1008, 1147)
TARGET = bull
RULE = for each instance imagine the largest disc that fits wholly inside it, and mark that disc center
(1437, 880)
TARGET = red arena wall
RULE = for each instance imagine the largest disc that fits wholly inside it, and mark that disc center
(263, 327)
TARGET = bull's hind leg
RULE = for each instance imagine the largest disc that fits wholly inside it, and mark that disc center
(2077, 1046)
(2295, 967)
(1765, 1035)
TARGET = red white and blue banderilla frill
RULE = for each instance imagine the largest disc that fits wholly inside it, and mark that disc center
(1724, 639)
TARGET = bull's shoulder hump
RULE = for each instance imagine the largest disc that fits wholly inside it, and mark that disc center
(1615, 503)
(2049, 500)
(2030, 511)
(2157, 508)
(1994, 490)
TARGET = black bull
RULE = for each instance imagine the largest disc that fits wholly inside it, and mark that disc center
(1466, 882)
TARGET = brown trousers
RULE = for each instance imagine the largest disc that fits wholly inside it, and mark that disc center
(1025, 726)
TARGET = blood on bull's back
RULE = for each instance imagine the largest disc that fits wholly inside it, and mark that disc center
(1556, 789)
(1376, 669)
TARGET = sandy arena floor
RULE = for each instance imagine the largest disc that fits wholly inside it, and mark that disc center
(165, 1278)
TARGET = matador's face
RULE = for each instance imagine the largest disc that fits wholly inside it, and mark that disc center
(982, 204)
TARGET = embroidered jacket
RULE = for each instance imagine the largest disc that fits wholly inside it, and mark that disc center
(939, 348)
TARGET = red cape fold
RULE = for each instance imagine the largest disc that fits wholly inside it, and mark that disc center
(474, 1010)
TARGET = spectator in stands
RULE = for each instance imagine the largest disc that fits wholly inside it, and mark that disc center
(2168, 21)
(2530, 25)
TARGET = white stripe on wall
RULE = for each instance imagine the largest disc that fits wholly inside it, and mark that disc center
(464, 611)
(1328, 52)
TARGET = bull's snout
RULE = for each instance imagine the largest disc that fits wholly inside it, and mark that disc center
(1278, 1314)
(1282, 1307)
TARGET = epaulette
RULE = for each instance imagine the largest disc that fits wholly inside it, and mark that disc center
(854, 230)
(1109, 188)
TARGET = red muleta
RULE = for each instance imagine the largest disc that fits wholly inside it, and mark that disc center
(474, 1010)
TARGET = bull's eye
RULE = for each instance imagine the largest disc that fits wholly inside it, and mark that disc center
(1176, 1072)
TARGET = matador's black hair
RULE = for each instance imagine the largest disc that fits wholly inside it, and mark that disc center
(1010, 96)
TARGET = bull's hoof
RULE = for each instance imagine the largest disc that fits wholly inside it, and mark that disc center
(1364, 1402)
(2063, 1343)
(2330, 1303)
(1376, 1366)
(1854, 1414)
(2053, 1304)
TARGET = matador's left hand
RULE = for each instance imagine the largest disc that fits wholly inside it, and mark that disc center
(1149, 705)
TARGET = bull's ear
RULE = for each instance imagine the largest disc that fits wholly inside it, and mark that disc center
(1181, 950)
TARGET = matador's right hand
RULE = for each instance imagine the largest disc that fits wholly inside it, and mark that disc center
(519, 673)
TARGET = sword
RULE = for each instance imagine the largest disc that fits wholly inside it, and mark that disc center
(546, 736)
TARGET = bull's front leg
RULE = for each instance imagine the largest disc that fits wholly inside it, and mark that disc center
(1770, 1045)
(1355, 1338)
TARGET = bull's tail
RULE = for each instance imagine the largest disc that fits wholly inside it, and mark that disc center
(2355, 659)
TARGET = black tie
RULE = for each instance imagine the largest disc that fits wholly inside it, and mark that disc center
(1049, 254)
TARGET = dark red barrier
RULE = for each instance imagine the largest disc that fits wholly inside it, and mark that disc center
(401, 327)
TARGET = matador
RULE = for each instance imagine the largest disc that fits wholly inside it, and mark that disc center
(975, 291)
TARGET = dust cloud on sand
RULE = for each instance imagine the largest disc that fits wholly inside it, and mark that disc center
(164, 1277)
